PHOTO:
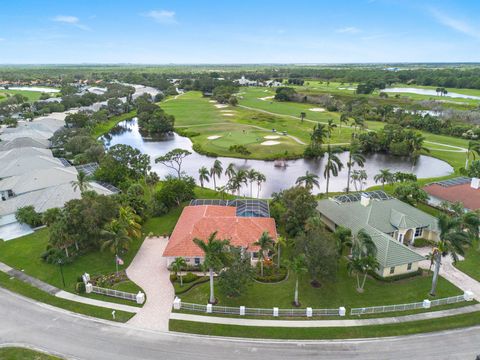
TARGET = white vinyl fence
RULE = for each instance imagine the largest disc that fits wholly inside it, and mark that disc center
(425, 304)
(114, 293)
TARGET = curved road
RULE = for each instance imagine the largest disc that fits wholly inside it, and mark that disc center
(25, 322)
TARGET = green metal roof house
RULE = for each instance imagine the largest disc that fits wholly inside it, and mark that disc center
(390, 222)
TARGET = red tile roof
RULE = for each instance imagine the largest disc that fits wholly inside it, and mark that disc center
(201, 221)
(464, 193)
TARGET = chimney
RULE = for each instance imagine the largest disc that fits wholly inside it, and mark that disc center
(365, 200)
(475, 184)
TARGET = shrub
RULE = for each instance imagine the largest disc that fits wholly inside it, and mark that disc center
(28, 215)
(272, 275)
(173, 278)
(189, 277)
(419, 272)
(421, 242)
(80, 287)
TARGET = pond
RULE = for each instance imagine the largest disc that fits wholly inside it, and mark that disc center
(278, 178)
(432, 92)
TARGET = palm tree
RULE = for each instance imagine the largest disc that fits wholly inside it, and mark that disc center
(416, 146)
(81, 183)
(203, 175)
(230, 171)
(260, 179)
(470, 223)
(309, 180)
(359, 123)
(303, 115)
(362, 265)
(297, 266)
(318, 135)
(384, 176)
(116, 239)
(216, 171)
(343, 237)
(265, 243)
(130, 221)
(358, 179)
(177, 265)
(332, 167)
(330, 127)
(343, 120)
(354, 158)
(473, 148)
(251, 176)
(215, 256)
(278, 248)
(363, 245)
(452, 241)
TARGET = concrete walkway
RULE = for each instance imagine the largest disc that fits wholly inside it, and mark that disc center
(20, 275)
(325, 323)
(149, 271)
(84, 300)
(452, 274)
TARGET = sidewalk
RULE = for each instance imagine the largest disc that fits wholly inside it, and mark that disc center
(324, 323)
(84, 300)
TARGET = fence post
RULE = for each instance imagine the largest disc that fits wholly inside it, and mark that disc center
(468, 295)
(426, 304)
(309, 312)
(86, 278)
(209, 308)
(275, 311)
(342, 311)
(140, 298)
(177, 303)
(88, 288)
(242, 310)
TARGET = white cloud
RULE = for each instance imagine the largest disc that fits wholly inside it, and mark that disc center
(455, 24)
(162, 16)
(348, 30)
(71, 20)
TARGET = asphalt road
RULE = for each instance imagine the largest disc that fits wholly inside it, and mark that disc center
(25, 322)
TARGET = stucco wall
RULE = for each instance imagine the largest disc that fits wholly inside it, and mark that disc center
(399, 270)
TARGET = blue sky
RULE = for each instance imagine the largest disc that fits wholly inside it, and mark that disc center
(247, 31)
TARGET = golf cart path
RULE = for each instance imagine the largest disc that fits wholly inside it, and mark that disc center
(149, 271)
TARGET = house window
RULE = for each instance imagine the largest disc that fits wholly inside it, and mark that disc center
(392, 270)
(197, 261)
(400, 238)
(254, 255)
(418, 232)
(409, 266)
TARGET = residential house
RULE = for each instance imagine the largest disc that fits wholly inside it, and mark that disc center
(461, 189)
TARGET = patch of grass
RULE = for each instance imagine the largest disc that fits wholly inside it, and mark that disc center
(27, 290)
(16, 353)
(31, 95)
(103, 128)
(414, 327)
(471, 264)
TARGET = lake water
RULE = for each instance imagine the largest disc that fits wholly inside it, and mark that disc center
(277, 178)
(428, 92)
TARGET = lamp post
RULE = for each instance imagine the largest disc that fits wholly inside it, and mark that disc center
(60, 264)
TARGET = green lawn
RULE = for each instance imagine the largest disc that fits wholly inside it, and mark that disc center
(24, 254)
(31, 95)
(342, 292)
(16, 353)
(408, 328)
(471, 264)
(103, 128)
(27, 290)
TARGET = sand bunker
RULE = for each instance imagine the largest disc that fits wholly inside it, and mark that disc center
(317, 109)
(227, 111)
(228, 114)
(270, 143)
(212, 101)
(213, 137)
(272, 137)
(221, 106)
(266, 98)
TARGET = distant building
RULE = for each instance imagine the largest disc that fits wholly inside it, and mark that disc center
(390, 222)
(462, 189)
(240, 221)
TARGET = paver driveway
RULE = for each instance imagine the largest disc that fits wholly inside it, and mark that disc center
(149, 270)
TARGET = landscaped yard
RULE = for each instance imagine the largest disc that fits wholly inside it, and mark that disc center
(471, 264)
(330, 294)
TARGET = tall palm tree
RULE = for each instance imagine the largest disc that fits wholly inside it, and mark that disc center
(355, 157)
(130, 221)
(216, 171)
(309, 180)
(318, 135)
(330, 127)
(278, 248)
(81, 183)
(203, 175)
(260, 179)
(361, 266)
(264, 243)
(230, 171)
(116, 239)
(303, 115)
(343, 120)
(358, 179)
(359, 123)
(416, 146)
(384, 176)
(452, 241)
(215, 257)
(470, 223)
(363, 245)
(251, 176)
(177, 265)
(297, 266)
(332, 167)
(472, 151)
(343, 237)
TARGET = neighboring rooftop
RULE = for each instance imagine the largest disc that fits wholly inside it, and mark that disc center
(245, 207)
(23, 165)
(21, 142)
(199, 221)
(462, 189)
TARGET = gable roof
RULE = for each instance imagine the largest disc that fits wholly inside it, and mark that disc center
(21, 142)
(374, 219)
(22, 165)
(464, 193)
(202, 220)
